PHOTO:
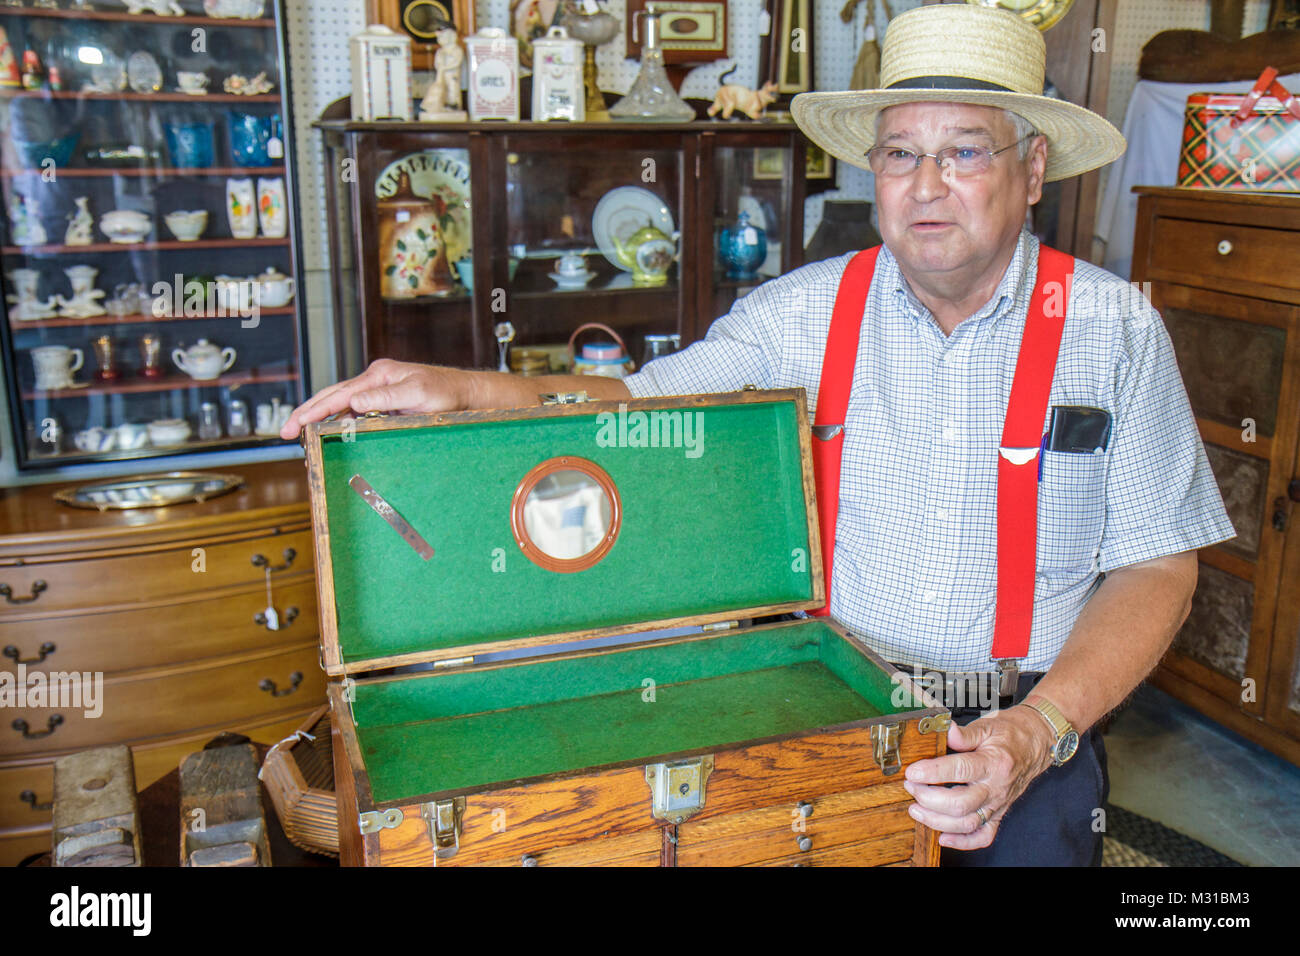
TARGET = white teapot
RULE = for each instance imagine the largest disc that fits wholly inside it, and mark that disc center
(203, 361)
(276, 288)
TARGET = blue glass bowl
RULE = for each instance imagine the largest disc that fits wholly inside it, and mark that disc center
(31, 155)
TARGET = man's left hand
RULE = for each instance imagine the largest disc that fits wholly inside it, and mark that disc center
(993, 760)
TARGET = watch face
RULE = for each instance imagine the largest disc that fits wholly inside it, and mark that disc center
(1066, 746)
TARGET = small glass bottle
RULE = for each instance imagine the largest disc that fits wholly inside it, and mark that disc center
(652, 97)
(209, 422)
(238, 419)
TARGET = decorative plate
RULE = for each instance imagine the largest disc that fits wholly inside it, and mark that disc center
(621, 212)
(143, 73)
(150, 491)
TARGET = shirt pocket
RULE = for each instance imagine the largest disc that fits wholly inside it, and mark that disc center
(1071, 510)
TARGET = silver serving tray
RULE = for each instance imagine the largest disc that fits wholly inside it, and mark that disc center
(150, 491)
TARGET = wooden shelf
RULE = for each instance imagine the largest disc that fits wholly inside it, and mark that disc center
(124, 17)
(162, 245)
(135, 318)
(171, 383)
(9, 94)
(76, 456)
(163, 172)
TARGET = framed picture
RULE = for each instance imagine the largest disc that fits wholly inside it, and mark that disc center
(817, 164)
(691, 31)
(421, 20)
(789, 52)
(769, 163)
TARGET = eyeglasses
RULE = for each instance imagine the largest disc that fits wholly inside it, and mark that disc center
(894, 161)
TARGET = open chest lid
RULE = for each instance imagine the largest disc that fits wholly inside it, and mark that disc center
(441, 536)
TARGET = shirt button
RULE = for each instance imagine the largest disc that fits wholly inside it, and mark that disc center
(941, 514)
(929, 597)
(949, 433)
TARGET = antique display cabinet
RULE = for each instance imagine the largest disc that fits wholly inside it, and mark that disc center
(580, 678)
(151, 250)
(1220, 268)
(442, 231)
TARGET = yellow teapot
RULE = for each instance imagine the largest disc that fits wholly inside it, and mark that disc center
(647, 254)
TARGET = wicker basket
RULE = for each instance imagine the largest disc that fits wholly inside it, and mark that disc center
(299, 775)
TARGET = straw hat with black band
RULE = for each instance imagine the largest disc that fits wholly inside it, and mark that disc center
(957, 53)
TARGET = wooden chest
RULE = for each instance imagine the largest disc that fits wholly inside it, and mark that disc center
(574, 585)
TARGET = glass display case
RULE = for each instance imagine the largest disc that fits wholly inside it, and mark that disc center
(443, 232)
(151, 255)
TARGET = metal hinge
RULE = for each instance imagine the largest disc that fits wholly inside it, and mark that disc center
(444, 825)
(884, 747)
(372, 821)
(452, 662)
(564, 398)
(677, 788)
(720, 626)
(938, 724)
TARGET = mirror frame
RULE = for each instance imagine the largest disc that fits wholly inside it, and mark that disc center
(525, 488)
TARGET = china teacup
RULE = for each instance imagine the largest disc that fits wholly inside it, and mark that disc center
(55, 364)
(571, 266)
(95, 439)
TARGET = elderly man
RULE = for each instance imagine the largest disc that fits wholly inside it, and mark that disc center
(1011, 477)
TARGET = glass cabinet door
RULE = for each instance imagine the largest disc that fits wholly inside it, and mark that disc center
(752, 206)
(150, 251)
(593, 230)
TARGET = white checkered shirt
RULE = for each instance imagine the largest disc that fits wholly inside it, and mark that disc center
(916, 538)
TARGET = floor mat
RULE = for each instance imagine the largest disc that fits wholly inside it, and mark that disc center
(1134, 840)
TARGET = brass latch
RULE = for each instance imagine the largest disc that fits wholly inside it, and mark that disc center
(938, 724)
(677, 788)
(444, 825)
(372, 821)
(884, 740)
(563, 398)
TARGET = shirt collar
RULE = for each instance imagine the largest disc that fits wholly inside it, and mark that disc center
(1012, 290)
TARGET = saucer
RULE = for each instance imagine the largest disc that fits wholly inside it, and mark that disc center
(577, 281)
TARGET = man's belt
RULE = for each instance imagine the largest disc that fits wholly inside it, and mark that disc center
(975, 686)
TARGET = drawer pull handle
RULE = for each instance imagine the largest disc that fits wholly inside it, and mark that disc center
(805, 808)
(268, 685)
(260, 561)
(528, 860)
(12, 653)
(290, 614)
(1225, 247)
(37, 588)
(29, 797)
(805, 844)
(22, 727)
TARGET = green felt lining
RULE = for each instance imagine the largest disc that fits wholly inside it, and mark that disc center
(716, 531)
(451, 731)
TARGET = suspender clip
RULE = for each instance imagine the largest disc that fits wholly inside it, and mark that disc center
(826, 432)
(1009, 677)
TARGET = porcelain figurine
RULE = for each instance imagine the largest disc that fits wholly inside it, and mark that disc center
(163, 8)
(25, 306)
(81, 224)
(84, 303)
(26, 228)
(244, 86)
(752, 103)
(442, 104)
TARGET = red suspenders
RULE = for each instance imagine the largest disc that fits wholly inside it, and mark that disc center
(1021, 435)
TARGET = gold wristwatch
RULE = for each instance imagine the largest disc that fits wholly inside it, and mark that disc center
(1067, 738)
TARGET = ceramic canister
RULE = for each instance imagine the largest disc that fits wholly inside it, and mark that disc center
(558, 92)
(381, 75)
(493, 75)
(271, 207)
(241, 208)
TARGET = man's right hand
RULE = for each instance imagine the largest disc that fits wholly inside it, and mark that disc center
(386, 386)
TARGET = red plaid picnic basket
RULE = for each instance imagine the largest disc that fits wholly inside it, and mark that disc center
(1232, 141)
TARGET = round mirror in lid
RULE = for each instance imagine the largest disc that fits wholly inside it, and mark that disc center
(566, 514)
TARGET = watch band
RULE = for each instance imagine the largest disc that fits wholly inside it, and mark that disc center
(1067, 738)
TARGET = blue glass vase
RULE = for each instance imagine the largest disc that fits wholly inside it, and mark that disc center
(742, 248)
(250, 137)
(190, 144)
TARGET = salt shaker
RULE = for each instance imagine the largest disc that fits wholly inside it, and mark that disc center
(209, 423)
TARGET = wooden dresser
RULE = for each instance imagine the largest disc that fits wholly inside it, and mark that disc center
(168, 605)
(1224, 271)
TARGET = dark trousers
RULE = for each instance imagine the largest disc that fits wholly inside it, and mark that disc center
(1056, 821)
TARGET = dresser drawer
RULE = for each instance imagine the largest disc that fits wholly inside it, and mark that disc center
(1199, 253)
(139, 638)
(170, 703)
(93, 584)
(36, 778)
(18, 845)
